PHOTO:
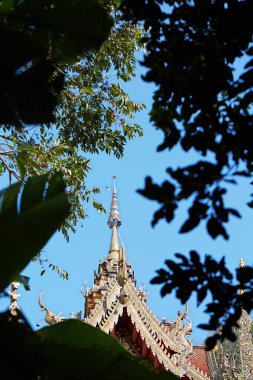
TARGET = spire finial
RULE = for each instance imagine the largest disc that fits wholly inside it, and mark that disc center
(114, 222)
(241, 263)
(114, 216)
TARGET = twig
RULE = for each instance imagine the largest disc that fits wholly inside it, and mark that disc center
(10, 139)
(66, 75)
(7, 152)
(11, 172)
(6, 137)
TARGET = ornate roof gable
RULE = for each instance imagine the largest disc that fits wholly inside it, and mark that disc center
(115, 306)
(118, 308)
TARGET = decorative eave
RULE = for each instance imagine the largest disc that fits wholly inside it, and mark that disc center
(171, 353)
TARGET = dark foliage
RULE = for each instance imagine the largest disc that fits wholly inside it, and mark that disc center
(209, 278)
(201, 105)
(22, 356)
(67, 350)
(35, 36)
(30, 83)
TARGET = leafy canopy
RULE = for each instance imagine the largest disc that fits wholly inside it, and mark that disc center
(94, 114)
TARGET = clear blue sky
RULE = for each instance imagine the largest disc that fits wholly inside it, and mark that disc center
(147, 248)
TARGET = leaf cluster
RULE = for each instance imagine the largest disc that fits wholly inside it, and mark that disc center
(35, 35)
(210, 278)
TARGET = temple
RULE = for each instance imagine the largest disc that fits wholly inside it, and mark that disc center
(117, 307)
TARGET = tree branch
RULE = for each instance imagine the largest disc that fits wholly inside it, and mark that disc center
(11, 172)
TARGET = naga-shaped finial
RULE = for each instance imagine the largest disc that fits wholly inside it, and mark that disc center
(182, 315)
(51, 318)
(185, 313)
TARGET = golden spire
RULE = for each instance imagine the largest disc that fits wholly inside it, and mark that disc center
(114, 222)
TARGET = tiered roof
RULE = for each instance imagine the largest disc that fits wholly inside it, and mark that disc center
(118, 308)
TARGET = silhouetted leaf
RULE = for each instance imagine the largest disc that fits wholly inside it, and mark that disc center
(234, 212)
(190, 224)
(215, 228)
(250, 204)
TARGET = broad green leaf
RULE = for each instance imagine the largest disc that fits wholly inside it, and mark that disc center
(29, 216)
(21, 164)
(80, 351)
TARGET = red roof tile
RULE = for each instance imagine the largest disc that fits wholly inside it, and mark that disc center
(198, 359)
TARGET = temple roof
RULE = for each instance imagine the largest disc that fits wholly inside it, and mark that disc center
(198, 359)
(117, 307)
(114, 298)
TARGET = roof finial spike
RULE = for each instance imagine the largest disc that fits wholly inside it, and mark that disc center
(114, 222)
(114, 184)
(114, 216)
(241, 263)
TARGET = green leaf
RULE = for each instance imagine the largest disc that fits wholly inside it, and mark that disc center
(27, 225)
(6, 6)
(25, 147)
(21, 165)
(23, 280)
(76, 349)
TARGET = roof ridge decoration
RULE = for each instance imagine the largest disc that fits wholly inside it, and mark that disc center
(51, 318)
(14, 308)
